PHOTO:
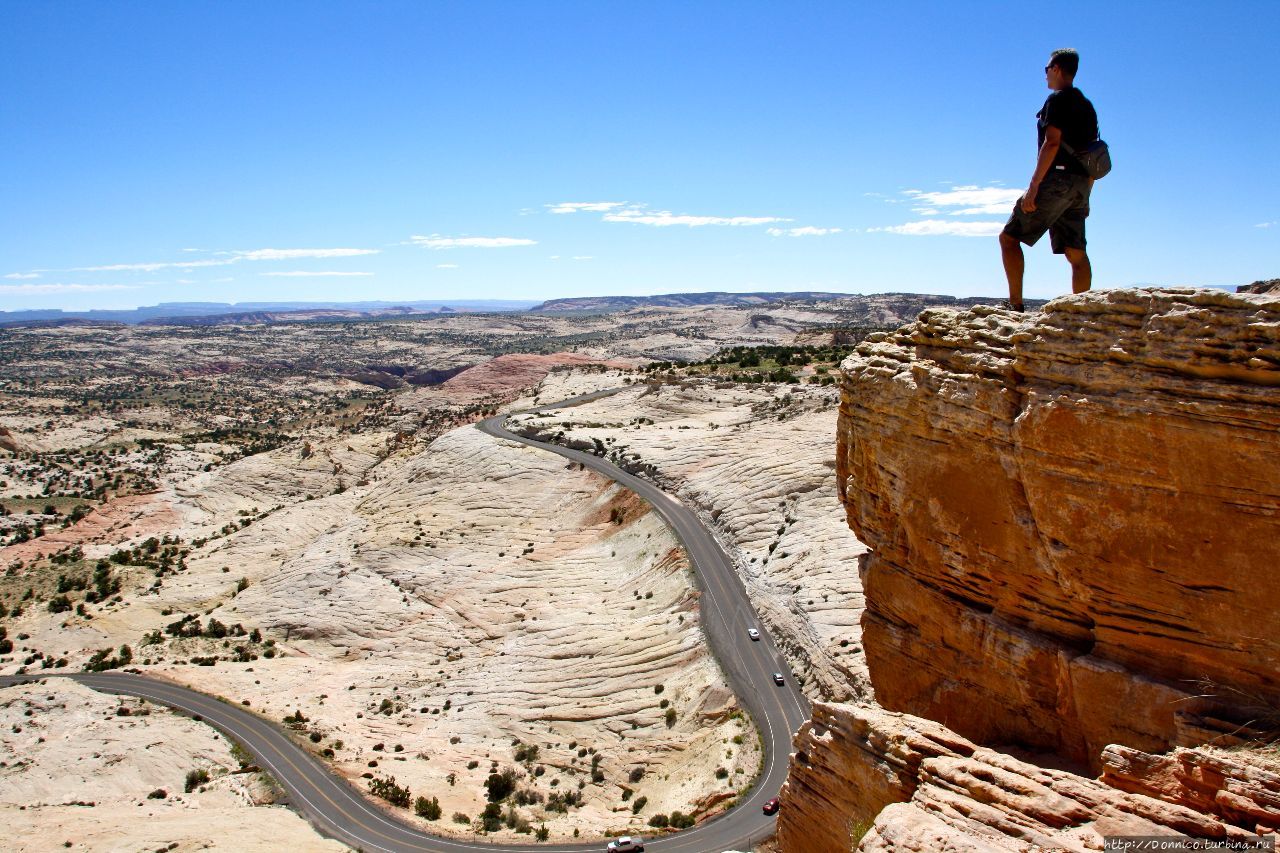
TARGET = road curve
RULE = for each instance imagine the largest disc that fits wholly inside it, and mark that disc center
(339, 811)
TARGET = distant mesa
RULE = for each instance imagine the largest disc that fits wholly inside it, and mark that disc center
(215, 313)
(603, 304)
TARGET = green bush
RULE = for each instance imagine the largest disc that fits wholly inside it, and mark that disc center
(639, 805)
(500, 785)
(388, 790)
(196, 778)
(429, 809)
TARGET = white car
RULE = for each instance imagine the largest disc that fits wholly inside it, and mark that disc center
(626, 844)
(753, 633)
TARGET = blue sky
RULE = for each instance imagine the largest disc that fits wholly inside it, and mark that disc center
(242, 151)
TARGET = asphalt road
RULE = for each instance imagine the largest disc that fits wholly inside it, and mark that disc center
(337, 810)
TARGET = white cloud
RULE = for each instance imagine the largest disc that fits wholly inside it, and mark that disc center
(232, 258)
(435, 241)
(804, 231)
(942, 227)
(584, 206)
(293, 254)
(665, 218)
(582, 257)
(1259, 225)
(23, 275)
(32, 289)
(446, 266)
(304, 273)
(152, 267)
(972, 200)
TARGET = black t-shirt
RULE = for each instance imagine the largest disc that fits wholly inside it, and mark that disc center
(1070, 112)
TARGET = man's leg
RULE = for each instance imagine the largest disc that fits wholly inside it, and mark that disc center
(1081, 270)
(1014, 266)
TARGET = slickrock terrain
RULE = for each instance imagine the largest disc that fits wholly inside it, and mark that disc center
(1074, 517)
(464, 604)
(752, 458)
(101, 773)
(874, 780)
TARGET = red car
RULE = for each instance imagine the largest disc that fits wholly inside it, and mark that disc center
(771, 807)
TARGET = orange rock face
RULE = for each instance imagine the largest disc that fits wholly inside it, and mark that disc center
(1074, 516)
(872, 780)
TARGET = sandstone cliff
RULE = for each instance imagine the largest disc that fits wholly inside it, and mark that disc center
(876, 780)
(1074, 517)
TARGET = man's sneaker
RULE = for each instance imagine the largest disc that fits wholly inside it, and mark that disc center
(1006, 304)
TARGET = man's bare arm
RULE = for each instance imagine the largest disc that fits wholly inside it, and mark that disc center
(1048, 151)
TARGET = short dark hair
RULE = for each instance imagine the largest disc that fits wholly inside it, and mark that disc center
(1067, 59)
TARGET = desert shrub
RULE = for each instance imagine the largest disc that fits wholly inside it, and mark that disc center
(500, 785)
(388, 790)
(101, 660)
(59, 604)
(527, 797)
(429, 809)
(542, 833)
(491, 818)
(670, 717)
(679, 820)
(639, 804)
(158, 794)
(659, 821)
(459, 817)
(196, 778)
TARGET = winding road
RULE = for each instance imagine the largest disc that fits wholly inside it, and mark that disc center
(338, 810)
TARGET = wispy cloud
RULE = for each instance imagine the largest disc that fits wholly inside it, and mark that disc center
(584, 206)
(23, 275)
(640, 215)
(436, 241)
(152, 267)
(804, 231)
(304, 273)
(944, 227)
(1271, 224)
(972, 200)
(446, 266)
(293, 254)
(583, 257)
(227, 258)
(33, 289)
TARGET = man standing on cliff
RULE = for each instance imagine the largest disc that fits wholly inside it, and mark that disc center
(1057, 200)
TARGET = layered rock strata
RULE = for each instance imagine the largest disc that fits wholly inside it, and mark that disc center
(1074, 517)
(871, 780)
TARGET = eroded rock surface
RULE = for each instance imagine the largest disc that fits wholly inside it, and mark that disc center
(872, 780)
(1074, 516)
(755, 459)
